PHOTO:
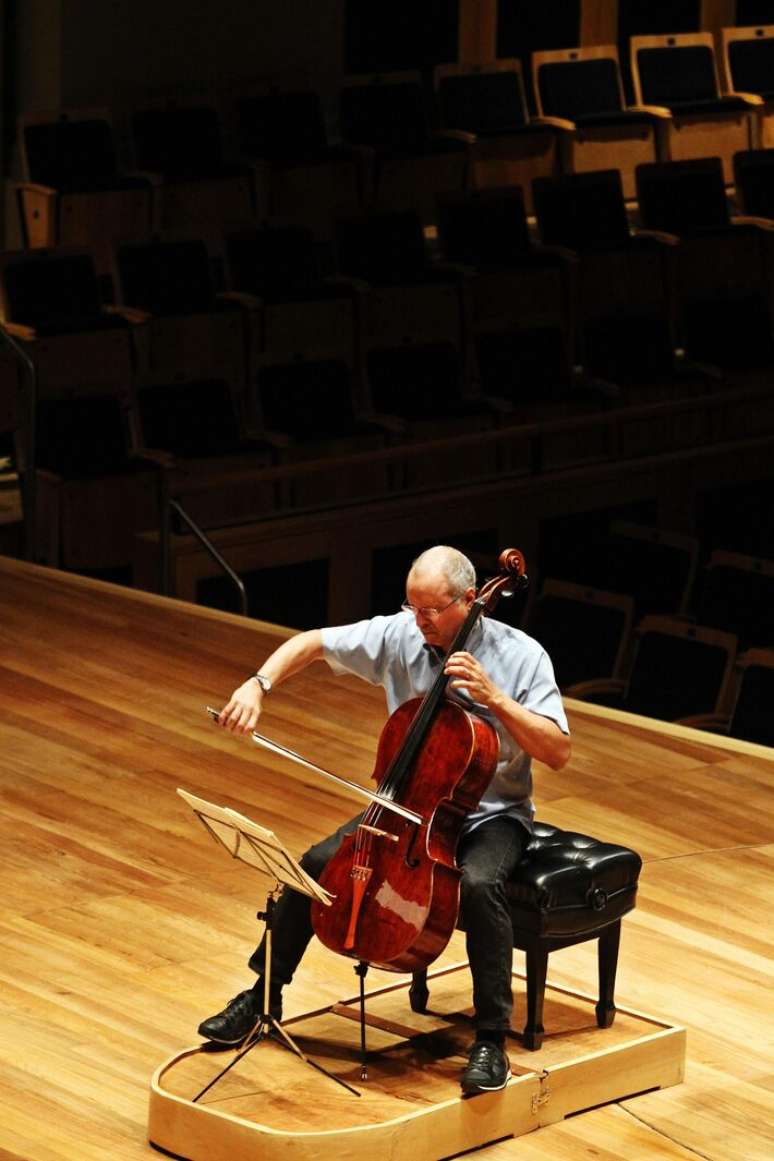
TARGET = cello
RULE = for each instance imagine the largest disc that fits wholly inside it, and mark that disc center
(395, 881)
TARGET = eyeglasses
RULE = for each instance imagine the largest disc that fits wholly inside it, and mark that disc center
(428, 612)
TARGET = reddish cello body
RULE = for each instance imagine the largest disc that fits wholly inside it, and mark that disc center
(396, 883)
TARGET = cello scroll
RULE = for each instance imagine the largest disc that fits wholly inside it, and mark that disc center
(511, 578)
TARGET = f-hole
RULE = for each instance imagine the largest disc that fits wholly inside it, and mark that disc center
(411, 863)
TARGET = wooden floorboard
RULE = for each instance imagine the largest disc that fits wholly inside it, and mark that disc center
(122, 924)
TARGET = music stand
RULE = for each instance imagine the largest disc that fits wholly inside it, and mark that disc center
(262, 850)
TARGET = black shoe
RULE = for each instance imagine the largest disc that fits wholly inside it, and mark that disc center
(488, 1069)
(237, 1019)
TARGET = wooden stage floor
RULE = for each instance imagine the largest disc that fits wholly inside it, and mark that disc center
(122, 925)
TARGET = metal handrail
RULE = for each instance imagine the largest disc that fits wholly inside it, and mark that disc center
(172, 505)
(29, 482)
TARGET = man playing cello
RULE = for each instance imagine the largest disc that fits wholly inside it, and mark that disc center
(503, 676)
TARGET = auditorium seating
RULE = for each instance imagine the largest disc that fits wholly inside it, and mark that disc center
(95, 493)
(15, 515)
(679, 71)
(305, 179)
(583, 86)
(412, 162)
(273, 261)
(736, 593)
(751, 718)
(193, 334)
(626, 279)
(304, 392)
(656, 567)
(96, 489)
(678, 672)
(520, 301)
(738, 515)
(746, 712)
(724, 264)
(11, 405)
(410, 327)
(306, 395)
(73, 192)
(511, 147)
(754, 181)
(201, 194)
(748, 67)
(585, 631)
(51, 302)
(191, 379)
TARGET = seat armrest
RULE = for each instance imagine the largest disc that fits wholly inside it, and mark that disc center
(657, 236)
(153, 455)
(35, 187)
(21, 331)
(454, 135)
(240, 298)
(559, 123)
(751, 99)
(132, 314)
(752, 220)
(715, 723)
(659, 111)
(47, 477)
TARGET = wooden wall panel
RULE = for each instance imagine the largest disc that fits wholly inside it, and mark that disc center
(599, 22)
(478, 25)
(717, 14)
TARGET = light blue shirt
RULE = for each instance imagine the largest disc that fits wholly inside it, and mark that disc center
(391, 652)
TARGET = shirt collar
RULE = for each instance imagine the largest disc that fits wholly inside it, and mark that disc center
(436, 654)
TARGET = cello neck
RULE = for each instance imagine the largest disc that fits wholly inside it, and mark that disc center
(397, 773)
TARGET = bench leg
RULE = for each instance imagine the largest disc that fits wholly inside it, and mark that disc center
(537, 969)
(608, 962)
(418, 992)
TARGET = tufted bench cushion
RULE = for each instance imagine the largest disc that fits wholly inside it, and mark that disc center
(568, 888)
(569, 883)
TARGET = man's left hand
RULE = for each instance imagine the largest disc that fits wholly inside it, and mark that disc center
(467, 673)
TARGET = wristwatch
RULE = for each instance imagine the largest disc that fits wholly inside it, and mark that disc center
(264, 681)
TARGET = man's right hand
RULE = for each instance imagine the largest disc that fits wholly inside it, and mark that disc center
(240, 714)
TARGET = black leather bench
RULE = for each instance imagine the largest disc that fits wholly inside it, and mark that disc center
(568, 888)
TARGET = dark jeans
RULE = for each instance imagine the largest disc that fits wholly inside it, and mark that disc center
(487, 858)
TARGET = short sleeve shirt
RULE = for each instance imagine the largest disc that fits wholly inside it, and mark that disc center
(391, 652)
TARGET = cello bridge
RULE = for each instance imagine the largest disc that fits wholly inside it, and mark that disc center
(361, 873)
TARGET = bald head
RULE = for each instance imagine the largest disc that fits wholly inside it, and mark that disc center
(447, 564)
